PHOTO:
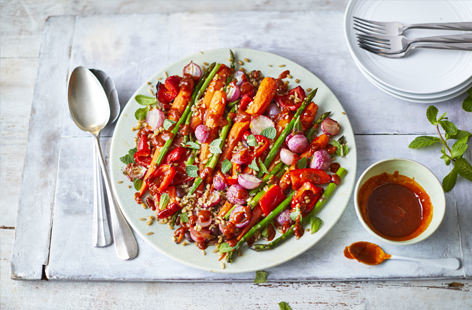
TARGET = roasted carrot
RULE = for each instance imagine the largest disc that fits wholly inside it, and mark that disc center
(182, 99)
(265, 94)
(213, 121)
(225, 208)
(317, 143)
(150, 170)
(235, 135)
(308, 116)
(217, 83)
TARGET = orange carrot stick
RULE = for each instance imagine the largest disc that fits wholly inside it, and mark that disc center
(265, 94)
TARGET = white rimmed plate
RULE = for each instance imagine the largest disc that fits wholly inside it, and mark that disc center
(123, 140)
(425, 71)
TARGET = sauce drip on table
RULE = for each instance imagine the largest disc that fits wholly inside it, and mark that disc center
(395, 206)
(366, 252)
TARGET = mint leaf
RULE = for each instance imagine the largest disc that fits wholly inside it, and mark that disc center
(449, 127)
(262, 166)
(459, 148)
(269, 132)
(432, 114)
(145, 100)
(423, 141)
(295, 214)
(261, 277)
(302, 163)
(192, 171)
(137, 184)
(284, 306)
(128, 158)
(224, 248)
(226, 166)
(254, 165)
(463, 168)
(183, 217)
(215, 146)
(192, 145)
(163, 201)
(467, 104)
(315, 224)
(140, 114)
(449, 180)
(251, 140)
(168, 123)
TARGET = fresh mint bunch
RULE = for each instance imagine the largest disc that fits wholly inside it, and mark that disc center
(454, 143)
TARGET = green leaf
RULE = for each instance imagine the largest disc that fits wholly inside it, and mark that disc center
(129, 158)
(145, 100)
(141, 113)
(423, 141)
(261, 277)
(461, 134)
(302, 163)
(467, 104)
(295, 214)
(446, 158)
(183, 217)
(459, 148)
(137, 184)
(315, 224)
(192, 171)
(432, 114)
(168, 123)
(464, 168)
(449, 127)
(254, 165)
(262, 166)
(224, 248)
(192, 145)
(284, 306)
(449, 180)
(226, 166)
(215, 146)
(163, 201)
(251, 140)
(269, 132)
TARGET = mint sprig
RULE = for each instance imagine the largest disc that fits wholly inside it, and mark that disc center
(450, 154)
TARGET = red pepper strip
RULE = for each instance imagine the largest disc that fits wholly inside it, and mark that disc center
(161, 178)
(143, 154)
(271, 199)
(306, 197)
(177, 155)
(168, 91)
(315, 176)
(293, 100)
(231, 180)
(244, 102)
(255, 217)
(262, 147)
(171, 209)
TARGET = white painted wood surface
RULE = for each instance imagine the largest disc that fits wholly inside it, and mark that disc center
(21, 23)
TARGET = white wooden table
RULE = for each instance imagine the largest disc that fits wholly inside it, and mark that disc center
(20, 27)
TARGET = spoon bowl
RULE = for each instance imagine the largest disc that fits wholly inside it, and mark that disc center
(88, 103)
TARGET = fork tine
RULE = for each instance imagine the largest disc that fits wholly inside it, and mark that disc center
(372, 37)
(373, 41)
(368, 24)
(374, 50)
(373, 27)
(368, 29)
(373, 44)
(369, 21)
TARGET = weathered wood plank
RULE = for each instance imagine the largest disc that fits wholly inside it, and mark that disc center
(39, 177)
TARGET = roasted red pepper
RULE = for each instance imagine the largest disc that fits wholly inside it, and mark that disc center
(306, 197)
(247, 89)
(171, 209)
(292, 100)
(161, 178)
(143, 154)
(271, 199)
(177, 155)
(263, 145)
(167, 91)
(315, 176)
(244, 102)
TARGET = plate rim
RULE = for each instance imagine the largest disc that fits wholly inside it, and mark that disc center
(352, 172)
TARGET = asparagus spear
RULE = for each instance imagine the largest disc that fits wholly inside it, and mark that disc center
(196, 94)
(262, 224)
(213, 161)
(311, 131)
(281, 138)
(289, 233)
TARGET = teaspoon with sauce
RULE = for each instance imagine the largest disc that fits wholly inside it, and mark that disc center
(372, 254)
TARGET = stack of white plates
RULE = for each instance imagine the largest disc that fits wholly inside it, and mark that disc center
(426, 75)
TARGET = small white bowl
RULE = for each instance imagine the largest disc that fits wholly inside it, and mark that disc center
(423, 176)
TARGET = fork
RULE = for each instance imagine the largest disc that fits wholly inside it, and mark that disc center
(397, 28)
(390, 45)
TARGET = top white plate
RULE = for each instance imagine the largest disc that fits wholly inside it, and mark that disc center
(425, 71)
(123, 140)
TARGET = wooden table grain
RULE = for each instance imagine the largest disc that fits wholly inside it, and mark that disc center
(21, 23)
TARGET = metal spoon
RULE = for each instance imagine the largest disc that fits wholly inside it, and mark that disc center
(90, 111)
(372, 254)
(101, 235)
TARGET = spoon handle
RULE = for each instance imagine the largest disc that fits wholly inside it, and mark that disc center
(125, 243)
(101, 229)
(446, 263)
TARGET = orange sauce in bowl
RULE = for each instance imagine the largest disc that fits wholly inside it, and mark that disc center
(395, 206)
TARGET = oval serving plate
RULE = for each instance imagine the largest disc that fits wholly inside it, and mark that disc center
(123, 140)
